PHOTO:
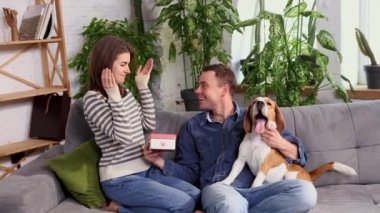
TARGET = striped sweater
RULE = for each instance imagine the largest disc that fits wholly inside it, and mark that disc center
(118, 125)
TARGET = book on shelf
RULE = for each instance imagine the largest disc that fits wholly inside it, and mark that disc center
(30, 22)
(47, 23)
(50, 26)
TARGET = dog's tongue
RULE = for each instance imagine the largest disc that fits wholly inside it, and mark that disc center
(260, 126)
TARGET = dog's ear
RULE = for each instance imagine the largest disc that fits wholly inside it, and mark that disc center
(248, 120)
(279, 119)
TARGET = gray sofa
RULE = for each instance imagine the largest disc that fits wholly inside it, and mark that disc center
(348, 133)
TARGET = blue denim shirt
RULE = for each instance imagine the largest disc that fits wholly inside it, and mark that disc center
(206, 150)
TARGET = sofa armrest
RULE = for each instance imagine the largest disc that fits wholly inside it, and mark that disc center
(29, 194)
(32, 188)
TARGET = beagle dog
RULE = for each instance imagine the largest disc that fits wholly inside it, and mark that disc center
(267, 163)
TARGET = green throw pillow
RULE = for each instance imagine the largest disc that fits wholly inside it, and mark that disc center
(78, 171)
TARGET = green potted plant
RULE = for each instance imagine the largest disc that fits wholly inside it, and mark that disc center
(372, 70)
(288, 62)
(199, 26)
(143, 42)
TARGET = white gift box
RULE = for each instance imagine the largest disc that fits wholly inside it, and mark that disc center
(162, 141)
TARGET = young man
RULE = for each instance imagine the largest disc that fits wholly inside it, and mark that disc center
(208, 146)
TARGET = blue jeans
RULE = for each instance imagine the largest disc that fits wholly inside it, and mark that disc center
(151, 191)
(285, 196)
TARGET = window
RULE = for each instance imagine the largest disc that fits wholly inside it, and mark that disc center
(360, 14)
(242, 44)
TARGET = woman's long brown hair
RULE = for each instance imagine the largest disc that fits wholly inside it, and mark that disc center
(103, 56)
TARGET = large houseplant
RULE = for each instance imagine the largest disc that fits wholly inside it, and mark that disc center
(372, 70)
(143, 42)
(199, 26)
(288, 62)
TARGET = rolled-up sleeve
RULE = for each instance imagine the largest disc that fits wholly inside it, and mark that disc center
(302, 157)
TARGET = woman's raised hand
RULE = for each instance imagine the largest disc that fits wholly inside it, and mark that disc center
(143, 74)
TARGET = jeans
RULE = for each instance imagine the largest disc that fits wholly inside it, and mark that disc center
(151, 191)
(285, 196)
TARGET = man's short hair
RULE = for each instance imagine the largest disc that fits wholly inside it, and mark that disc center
(224, 74)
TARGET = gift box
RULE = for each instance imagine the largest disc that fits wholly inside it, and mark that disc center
(162, 141)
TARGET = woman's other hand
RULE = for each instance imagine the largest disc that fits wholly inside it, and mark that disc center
(143, 74)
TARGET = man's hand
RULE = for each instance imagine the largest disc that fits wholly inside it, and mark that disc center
(154, 157)
(143, 74)
(274, 139)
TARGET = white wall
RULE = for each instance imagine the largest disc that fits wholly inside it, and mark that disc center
(332, 10)
(241, 42)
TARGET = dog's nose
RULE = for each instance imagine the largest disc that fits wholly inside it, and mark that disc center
(259, 105)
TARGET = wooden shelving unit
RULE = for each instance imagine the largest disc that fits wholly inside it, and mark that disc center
(26, 146)
(14, 43)
(32, 93)
(54, 66)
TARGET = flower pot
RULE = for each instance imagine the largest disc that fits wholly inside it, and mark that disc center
(190, 100)
(373, 76)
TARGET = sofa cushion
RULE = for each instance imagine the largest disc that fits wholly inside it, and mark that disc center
(374, 191)
(345, 198)
(171, 122)
(366, 122)
(77, 128)
(328, 133)
(69, 205)
(78, 171)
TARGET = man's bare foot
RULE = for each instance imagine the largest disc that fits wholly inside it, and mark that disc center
(198, 211)
(111, 207)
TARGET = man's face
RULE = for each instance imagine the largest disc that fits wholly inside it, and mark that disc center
(210, 91)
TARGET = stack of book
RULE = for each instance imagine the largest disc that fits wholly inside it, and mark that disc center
(37, 22)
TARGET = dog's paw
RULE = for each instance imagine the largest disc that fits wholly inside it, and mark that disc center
(271, 125)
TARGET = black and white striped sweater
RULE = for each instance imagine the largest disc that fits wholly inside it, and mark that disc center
(118, 127)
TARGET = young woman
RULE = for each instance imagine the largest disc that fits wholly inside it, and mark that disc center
(118, 122)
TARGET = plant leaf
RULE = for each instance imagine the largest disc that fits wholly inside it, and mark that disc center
(349, 83)
(327, 41)
(364, 46)
(314, 14)
(288, 5)
(172, 52)
(296, 10)
(248, 22)
(163, 2)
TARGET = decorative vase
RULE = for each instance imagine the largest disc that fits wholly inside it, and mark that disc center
(190, 100)
(373, 76)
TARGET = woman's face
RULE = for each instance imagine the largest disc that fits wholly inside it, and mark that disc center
(120, 67)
